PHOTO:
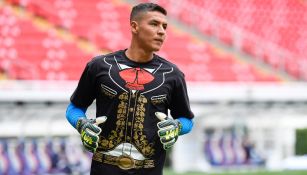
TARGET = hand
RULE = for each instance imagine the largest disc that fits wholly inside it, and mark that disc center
(169, 130)
(89, 130)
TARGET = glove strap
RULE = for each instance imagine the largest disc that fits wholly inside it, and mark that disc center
(80, 124)
(179, 126)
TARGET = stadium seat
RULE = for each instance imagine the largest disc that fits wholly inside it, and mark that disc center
(109, 29)
(261, 22)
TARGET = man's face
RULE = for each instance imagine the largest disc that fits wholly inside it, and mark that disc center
(151, 30)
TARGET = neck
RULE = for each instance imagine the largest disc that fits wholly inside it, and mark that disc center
(139, 55)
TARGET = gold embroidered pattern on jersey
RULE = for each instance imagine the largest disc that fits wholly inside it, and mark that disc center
(139, 137)
(117, 135)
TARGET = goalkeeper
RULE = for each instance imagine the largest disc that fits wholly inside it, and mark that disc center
(134, 89)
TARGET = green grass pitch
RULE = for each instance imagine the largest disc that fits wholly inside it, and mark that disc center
(170, 172)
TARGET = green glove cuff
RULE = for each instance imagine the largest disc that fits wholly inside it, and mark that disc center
(80, 124)
(179, 125)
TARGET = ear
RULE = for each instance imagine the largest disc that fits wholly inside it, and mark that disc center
(134, 27)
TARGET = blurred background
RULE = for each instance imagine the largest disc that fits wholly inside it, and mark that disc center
(245, 63)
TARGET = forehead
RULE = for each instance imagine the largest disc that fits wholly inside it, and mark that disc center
(154, 16)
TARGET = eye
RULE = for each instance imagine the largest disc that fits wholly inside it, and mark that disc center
(164, 26)
(154, 24)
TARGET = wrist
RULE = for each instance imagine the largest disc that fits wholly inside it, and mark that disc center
(81, 121)
(73, 113)
(186, 125)
(179, 125)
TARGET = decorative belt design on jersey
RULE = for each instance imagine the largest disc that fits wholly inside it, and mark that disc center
(124, 161)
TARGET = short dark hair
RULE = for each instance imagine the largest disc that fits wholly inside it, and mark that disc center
(146, 7)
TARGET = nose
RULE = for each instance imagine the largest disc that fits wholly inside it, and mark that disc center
(161, 31)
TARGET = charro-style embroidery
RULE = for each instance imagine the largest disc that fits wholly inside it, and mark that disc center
(129, 95)
(117, 136)
(139, 137)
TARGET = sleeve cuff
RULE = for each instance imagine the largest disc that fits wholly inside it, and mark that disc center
(187, 125)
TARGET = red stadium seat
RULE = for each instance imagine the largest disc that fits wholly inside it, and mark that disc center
(106, 26)
(276, 22)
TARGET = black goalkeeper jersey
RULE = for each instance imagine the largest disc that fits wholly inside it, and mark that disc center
(129, 94)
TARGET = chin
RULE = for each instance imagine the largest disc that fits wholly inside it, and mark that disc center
(155, 49)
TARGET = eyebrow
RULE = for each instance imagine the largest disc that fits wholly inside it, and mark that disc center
(156, 21)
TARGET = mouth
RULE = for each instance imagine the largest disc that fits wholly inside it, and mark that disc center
(159, 40)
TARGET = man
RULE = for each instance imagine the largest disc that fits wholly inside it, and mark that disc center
(134, 89)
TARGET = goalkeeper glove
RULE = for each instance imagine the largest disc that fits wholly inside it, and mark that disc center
(89, 130)
(168, 130)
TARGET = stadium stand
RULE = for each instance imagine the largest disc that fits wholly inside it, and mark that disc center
(42, 155)
(269, 30)
(36, 139)
(29, 53)
(53, 40)
(199, 60)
